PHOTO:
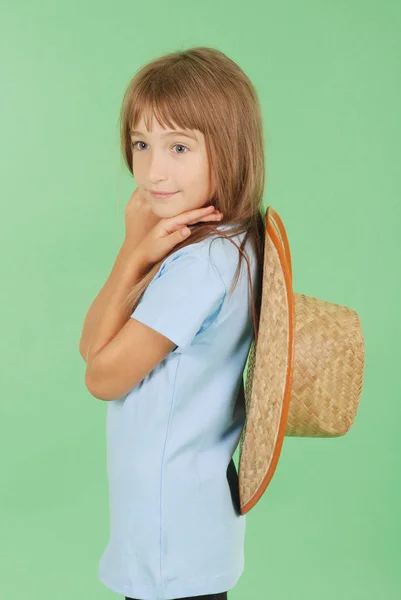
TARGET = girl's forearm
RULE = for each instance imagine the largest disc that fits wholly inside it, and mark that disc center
(115, 313)
(100, 301)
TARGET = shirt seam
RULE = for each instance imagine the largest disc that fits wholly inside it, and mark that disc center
(161, 548)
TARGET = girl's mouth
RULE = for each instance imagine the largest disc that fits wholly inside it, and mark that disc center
(155, 195)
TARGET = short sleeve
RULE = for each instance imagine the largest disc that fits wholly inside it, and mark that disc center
(183, 299)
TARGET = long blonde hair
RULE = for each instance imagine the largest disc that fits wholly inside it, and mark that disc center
(201, 88)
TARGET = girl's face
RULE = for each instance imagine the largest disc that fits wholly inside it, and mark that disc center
(165, 160)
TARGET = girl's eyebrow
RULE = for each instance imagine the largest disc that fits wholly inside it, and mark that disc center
(169, 133)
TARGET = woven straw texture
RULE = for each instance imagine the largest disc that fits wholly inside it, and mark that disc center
(303, 380)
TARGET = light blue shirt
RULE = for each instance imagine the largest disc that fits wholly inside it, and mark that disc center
(175, 529)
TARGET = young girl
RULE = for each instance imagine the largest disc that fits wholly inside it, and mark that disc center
(170, 364)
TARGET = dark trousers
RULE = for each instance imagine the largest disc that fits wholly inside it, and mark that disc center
(221, 596)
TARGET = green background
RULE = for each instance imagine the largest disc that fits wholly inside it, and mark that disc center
(328, 78)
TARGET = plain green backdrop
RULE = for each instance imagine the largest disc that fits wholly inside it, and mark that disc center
(328, 78)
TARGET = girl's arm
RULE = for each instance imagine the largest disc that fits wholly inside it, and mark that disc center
(139, 220)
(101, 299)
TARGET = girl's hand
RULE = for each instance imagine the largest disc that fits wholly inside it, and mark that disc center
(139, 219)
(169, 232)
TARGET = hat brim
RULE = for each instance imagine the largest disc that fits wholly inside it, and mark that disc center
(270, 369)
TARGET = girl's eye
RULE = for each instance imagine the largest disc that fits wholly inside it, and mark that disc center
(134, 146)
(180, 146)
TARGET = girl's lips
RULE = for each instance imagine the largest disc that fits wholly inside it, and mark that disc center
(162, 195)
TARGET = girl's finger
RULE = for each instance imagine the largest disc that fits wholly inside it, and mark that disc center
(215, 214)
(196, 213)
(216, 217)
(212, 217)
(170, 232)
(190, 218)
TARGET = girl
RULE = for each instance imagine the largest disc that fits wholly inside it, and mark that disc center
(170, 336)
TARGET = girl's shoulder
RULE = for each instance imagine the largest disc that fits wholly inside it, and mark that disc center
(221, 252)
(224, 252)
(223, 255)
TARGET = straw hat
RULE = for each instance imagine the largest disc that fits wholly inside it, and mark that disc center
(305, 368)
